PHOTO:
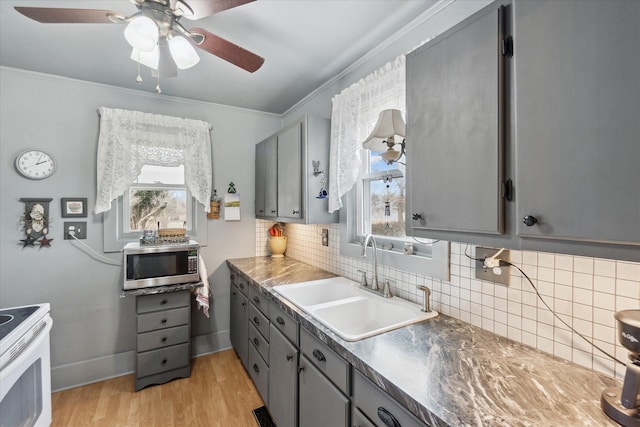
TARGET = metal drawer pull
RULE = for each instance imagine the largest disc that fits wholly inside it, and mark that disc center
(300, 369)
(255, 368)
(244, 303)
(318, 355)
(280, 320)
(256, 342)
(273, 211)
(241, 285)
(164, 339)
(163, 321)
(164, 301)
(164, 361)
(233, 276)
(257, 300)
(387, 418)
(256, 320)
(295, 212)
(289, 357)
(234, 293)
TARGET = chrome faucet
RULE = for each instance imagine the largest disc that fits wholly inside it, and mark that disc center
(374, 255)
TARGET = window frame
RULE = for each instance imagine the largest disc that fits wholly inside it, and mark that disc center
(126, 200)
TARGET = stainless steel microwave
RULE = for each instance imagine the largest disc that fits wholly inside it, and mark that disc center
(158, 265)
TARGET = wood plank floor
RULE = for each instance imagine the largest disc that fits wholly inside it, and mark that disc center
(219, 393)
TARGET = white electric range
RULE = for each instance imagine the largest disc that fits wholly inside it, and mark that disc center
(25, 366)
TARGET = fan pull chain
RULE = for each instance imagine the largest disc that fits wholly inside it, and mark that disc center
(139, 77)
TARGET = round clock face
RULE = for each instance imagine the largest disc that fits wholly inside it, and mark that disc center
(35, 164)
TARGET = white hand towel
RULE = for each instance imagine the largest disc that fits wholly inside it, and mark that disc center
(203, 292)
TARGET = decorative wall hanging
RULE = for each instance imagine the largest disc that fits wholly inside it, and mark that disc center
(231, 204)
(74, 207)
(35, 222)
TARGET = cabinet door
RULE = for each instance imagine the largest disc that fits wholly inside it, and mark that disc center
(578, 127)
(239, 333)
(283, 382)
(454, 129)
(321, 403)
(271, 177)
(290, 172)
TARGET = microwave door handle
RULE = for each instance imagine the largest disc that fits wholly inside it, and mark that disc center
(27, 352)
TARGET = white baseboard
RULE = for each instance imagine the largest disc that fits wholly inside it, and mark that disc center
(103, 368)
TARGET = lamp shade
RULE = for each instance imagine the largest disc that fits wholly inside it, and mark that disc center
(149, 59)
(183, 52)
(390, 124)
(142, 33)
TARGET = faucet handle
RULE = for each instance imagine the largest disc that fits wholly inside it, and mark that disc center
(386, 292)
(363, 279)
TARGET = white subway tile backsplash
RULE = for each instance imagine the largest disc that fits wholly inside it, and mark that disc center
(585, 292)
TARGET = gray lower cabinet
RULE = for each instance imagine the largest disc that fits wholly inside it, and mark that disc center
(372, 406)
(163, 341)
(321, 403)
(283, 387)
(239, 325)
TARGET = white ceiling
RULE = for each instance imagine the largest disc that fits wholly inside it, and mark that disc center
(304, 43)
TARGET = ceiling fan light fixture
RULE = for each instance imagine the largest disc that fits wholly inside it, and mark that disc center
(183, 53)
(148, 59)
(142, 33)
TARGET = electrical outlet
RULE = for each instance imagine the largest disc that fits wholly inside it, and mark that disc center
(325, 237)
(497, 274)
(78, 229)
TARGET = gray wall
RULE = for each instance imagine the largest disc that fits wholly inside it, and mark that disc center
(93, 336)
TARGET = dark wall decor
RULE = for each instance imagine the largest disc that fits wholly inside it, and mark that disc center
(74, 207)
(35, 222)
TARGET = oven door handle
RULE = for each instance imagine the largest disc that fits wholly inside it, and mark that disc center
(27, 352)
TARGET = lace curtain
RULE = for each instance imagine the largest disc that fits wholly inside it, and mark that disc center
(353, 117)
(131, 139)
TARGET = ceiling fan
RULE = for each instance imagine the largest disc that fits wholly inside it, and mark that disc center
(158, 38)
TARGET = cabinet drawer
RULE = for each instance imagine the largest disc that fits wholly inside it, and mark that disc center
(163, 338)
(260, 300)
(378, 406)
(328, 362)
(241, 282)
(163, 319)
(284, 323)
(259, 372)
(259, 342)
(165, 359)
(147, 303)
(259, 320)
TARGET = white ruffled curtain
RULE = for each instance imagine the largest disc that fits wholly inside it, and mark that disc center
(131, 139)
(353, 117)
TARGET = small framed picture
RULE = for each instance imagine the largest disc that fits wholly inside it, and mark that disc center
(74, 207)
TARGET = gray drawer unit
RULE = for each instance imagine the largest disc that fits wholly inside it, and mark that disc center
(165, 301)
(163, 338)
(285, 323)
(163, 341)
(259, 372)
(240, 281)
(380, 407)
(163, 319)
(259, 342)
(259, 300)
(329, 363)
(259, 320)
(164, 359)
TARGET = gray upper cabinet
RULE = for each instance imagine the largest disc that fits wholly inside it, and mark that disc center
(455, 129)
(286, 187)
(578, 128)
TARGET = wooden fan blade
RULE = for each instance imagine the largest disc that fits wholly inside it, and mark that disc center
(228, 51)
(204, 8)
(48, 15)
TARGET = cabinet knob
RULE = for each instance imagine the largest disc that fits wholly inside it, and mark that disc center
(416, 216)
(256, 320)
(256, 299)
(529, 220)
(280, 320)
(273, 211)
(164, 301)
(164, 339)
(256, 342)
(261, 211)
(289, 357)
(295, 212)
(163, 321)
(164, 361)
(256, 368)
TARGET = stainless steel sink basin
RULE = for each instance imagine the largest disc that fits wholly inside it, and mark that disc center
(350, 311)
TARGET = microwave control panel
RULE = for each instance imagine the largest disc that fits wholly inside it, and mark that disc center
(193, 262)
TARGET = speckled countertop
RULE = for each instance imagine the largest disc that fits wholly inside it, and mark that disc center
(448, 372)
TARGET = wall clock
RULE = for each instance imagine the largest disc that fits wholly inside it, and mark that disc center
(35, 164)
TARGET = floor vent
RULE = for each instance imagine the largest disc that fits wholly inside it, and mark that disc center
(262, 417)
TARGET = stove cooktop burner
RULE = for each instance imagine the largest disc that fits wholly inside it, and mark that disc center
(11, 318)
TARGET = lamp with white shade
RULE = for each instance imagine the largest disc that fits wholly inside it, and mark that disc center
(383, 137)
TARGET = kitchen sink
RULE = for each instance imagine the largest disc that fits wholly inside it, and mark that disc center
(350, 311)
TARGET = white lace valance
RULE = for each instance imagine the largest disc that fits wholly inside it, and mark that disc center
(353, 117)
(131, 139)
